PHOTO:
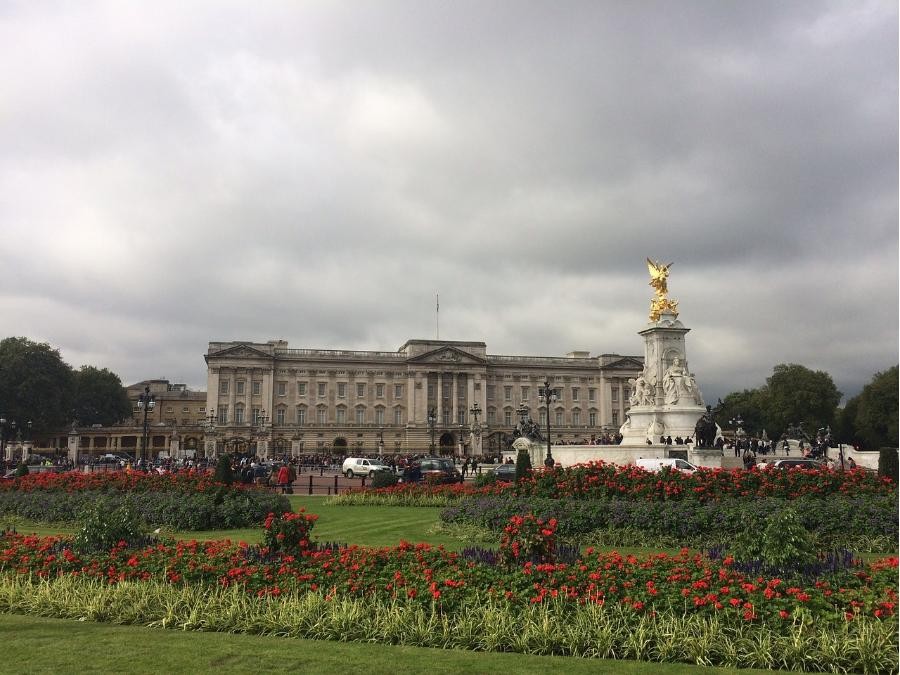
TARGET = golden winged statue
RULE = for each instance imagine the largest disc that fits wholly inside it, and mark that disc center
(659, 274)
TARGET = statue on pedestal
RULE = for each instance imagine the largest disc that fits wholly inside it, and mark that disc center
(659, 274)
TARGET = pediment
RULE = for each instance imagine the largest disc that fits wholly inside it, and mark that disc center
(448, 356)
(240, 351)
(626, 363)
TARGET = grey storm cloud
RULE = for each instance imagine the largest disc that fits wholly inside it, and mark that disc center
(174, 174)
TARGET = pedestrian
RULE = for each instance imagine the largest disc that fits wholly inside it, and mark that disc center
(749, 458)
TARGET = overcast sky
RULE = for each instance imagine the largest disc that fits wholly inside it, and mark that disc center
(173, 173)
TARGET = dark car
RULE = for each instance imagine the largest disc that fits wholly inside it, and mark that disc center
(799, 462)
(506, 473)
(432, 469)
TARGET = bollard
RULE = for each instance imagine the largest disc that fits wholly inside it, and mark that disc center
(322, 470)
(364, 481)
(310, 483)
(335, 485)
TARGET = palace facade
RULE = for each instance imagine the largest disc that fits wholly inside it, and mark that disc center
(429, 395)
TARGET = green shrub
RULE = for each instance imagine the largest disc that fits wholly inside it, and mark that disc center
(483, 479)
(224, 473)
(888, 463)
(105, 525)
(21, 470)
(784, 541)
(384, 479)
(523, 465)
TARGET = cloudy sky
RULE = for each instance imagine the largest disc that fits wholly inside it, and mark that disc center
(174, 173)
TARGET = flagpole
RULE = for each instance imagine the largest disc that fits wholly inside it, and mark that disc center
(437, 316)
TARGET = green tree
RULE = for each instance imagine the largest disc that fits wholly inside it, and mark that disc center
(100, 397)
(523, 465)
(35, 384)
(877, 410)
(751, 405)
(797, 394)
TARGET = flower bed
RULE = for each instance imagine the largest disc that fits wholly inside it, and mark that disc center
(187, 501)
(845, 618)
(839, 522)
(602, 481)
(684, 583)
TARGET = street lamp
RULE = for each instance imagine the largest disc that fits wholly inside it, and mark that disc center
(548, 396)
(146, 402)
(432, 420)
(736, 422)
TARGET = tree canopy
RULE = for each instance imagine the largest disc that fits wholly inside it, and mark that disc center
(99, 397)
(875, 411)
(36, 385)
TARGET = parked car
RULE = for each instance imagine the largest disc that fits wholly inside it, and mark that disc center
(505, 473)
(673, 464)
(113, 459)
(361, 466)
(432, 469)
(790, 463)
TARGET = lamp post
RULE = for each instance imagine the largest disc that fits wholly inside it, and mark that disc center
(548, 396)
(432, 420)
(3, 424)
(381, 441)
(736, 422)
(146, 402)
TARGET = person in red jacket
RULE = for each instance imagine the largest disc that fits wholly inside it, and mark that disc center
(284, 478)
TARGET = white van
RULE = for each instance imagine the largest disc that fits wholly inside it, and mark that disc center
(360, 466)
(674, 464)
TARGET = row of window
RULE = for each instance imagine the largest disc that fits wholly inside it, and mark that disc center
(302, 387)
(300, 416)
(574, 393)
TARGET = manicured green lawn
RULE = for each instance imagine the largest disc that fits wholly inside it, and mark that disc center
(39, 645)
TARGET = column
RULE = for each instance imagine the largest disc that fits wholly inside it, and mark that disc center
(454, 400)
(439, 396)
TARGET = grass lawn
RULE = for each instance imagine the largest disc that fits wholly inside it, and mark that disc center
(40, 645)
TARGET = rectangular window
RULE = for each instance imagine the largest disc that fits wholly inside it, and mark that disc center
(574, 393)
(301, 389)
(320, 415)
(239, 387)
(507, 418)
(360, 390)
(185, 410)
(170, 410)
(321, 387)
(301, 416)
(398, 391)
(593, 419)
(255, 414)
(490, 392)
(342, 390)
(341, 416)
(559, 419)
(282, 388)
(524, 393)
(239, 415)
(592, 394)
(576, 418)
(507, 393)
(615, 394)
(379, 416)
(257, 387)
(461, 416)
(360, 415)
(379, 391)
(491, 417)
(223, 387)
(543, 418)
(223, 414)
(279, 416)
(448, 418)
(398, 417)
(615, 418)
